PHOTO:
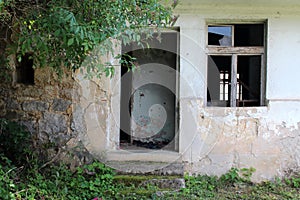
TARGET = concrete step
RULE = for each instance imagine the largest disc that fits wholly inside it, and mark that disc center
(146, 167)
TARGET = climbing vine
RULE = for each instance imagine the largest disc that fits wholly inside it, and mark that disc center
(64, 33)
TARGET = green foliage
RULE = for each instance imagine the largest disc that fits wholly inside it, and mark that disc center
(207, 186)
(15, 140)
(14, 151)
(96, 180)
(59, 182)
(294, 182)
(7, 186)
(64, 33)
(235, 175)
(246, 174)
(200, 186)
(22, 178)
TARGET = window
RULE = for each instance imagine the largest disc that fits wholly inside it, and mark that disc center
(236, 69)
(25, 71)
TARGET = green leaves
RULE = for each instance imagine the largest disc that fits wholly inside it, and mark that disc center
(63, 33)
(70, 41)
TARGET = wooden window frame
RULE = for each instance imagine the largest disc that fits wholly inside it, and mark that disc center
(234, 52)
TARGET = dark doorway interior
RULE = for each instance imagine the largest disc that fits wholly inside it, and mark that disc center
(148, 96)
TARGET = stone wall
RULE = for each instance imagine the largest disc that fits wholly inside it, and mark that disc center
(47, 110)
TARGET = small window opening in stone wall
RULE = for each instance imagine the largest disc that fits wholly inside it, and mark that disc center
(24, 70)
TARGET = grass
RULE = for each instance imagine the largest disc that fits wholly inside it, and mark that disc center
(232, 185)
(97, 180)
(22, 177)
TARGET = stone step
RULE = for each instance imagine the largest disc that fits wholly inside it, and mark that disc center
(146, 168)
(168, 184)
(164, 184)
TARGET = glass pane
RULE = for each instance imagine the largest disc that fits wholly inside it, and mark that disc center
(220, 35)
(218, 81)
(248, 35)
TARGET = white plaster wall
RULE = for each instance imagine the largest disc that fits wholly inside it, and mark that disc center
(192, 78)
(284, 58)
(212, 140)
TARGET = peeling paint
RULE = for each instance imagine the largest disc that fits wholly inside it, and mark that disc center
(212, 139)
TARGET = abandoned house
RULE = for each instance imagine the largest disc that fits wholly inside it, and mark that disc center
(220, 90)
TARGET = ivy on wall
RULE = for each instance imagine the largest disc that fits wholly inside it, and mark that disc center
(60, 33)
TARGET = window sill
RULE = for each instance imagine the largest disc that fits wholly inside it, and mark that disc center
(238, 111)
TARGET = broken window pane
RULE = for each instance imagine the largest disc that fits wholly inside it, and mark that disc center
(219, 79)
(240, 81)
(220, 35)
(248, 35)
(248, 80)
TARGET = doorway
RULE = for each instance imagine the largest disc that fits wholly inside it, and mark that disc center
(149, 117)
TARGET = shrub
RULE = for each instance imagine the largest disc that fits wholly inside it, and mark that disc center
(22, 178)
(7, 186)
(15, 142)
